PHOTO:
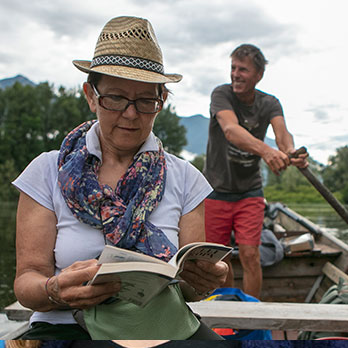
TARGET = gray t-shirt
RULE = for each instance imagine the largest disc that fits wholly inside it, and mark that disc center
(228, 168)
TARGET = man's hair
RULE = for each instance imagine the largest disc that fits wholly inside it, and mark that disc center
(255, 54)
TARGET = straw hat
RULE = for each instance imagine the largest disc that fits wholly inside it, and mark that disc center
(127, 47)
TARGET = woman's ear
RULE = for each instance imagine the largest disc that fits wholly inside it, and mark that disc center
(90, 96)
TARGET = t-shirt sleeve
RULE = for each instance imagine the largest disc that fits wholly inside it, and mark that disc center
(196, 190)
(38, 177)
(220, 100)
(275, 108)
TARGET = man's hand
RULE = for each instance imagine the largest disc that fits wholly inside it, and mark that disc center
(275, 159)
(299, 157)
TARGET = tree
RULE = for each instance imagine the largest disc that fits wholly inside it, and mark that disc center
(20, 109)
(198, 162)
(34, 119)
(336, 173)
(291, 186)
(169, 130)
(8, 173)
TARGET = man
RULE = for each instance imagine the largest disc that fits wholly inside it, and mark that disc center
(240, 116)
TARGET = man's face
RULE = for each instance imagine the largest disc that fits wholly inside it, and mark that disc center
(244, 76)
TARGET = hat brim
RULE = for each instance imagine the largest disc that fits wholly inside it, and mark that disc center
(127, 72)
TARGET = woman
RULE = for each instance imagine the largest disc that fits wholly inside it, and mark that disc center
(112, 183)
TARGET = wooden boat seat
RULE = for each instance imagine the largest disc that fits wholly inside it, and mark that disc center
(272, 315)
(319, 250)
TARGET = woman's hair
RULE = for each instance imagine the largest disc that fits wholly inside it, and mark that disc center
(22, 344)
(94, 78)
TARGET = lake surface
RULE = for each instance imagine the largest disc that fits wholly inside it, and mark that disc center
(322, 214)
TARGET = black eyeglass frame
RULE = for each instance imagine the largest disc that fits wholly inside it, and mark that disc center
(130, 101)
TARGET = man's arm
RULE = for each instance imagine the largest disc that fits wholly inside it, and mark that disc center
(240, 137)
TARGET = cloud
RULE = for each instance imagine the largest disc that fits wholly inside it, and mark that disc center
(190, 28)
(322, 113)
(60, 17)
(339, 138)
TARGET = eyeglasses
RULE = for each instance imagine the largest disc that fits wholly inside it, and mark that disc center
(114, 102)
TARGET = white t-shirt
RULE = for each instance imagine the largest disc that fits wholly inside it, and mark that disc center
(185, 189)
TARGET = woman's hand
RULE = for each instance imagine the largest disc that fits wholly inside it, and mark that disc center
(204, 276)
(69, 287)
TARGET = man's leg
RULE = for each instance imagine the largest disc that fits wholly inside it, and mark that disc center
(218, 227)
(252, 273)
(248, 222)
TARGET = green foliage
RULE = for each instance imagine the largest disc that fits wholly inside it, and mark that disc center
(336, 173)
(300, 194)
(8, 172)
(292, 187)
(34, 119)
(169, 130)
(198, 162)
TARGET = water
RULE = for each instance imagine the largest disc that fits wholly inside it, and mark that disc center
(323, 215)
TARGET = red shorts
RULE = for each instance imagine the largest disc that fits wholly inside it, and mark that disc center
(244, 217)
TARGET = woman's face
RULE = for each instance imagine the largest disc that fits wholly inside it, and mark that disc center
(122, 131)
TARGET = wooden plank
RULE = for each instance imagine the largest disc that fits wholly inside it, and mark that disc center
(303, 266)
(314, 289)
(294, 289)
(334, 273)
(16, 311)
(273, 316)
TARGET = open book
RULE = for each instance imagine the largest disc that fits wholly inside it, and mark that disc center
(143, 276)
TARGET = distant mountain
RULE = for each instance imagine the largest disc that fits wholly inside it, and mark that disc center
(8, 82)
(197, 134)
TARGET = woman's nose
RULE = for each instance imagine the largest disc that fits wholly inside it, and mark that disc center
(130, 112)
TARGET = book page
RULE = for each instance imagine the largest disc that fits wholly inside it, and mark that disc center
(115, 254)
(139, 287)
(201, 251)
(140, 281)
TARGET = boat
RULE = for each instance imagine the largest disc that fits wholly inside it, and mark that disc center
(297, 282)
(292, 279)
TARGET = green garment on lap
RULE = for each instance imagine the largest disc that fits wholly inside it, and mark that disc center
(166, 316)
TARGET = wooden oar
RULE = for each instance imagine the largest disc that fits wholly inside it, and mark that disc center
(321, 188)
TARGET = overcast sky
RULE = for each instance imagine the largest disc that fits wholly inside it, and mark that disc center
(304, 41)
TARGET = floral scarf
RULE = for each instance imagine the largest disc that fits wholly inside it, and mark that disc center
(122, 214)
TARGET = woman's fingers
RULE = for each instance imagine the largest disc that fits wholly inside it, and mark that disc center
(70, 286)
(205, 276)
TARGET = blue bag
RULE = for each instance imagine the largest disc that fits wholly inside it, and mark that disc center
(234, 294)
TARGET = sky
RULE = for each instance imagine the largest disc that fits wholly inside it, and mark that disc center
(305, 43)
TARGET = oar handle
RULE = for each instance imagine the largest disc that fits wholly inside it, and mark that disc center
(298, 152)
(321, 188)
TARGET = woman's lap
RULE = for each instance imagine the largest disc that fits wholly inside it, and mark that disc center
(46, 331)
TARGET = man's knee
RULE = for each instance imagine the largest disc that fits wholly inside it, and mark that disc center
(249, 256)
